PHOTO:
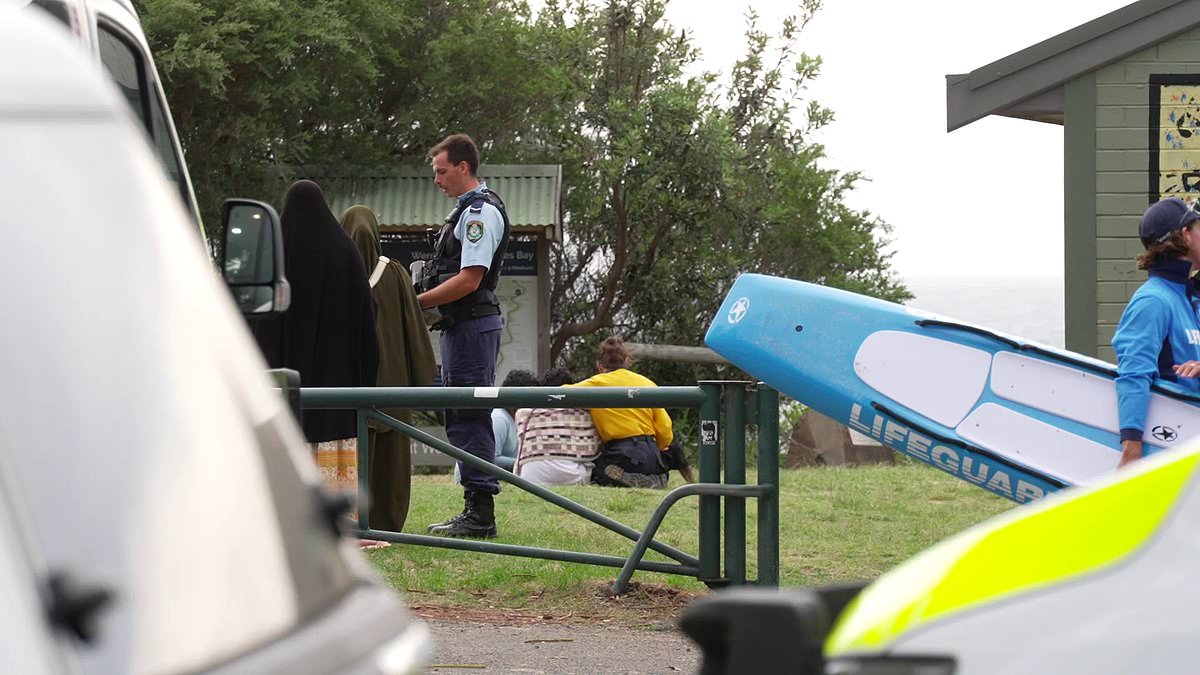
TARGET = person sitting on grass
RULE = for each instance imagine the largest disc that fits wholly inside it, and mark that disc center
(504, 426)
(636, 440)
(558, 446)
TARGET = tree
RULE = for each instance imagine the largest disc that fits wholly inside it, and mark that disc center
(674, 182)
(261, 87)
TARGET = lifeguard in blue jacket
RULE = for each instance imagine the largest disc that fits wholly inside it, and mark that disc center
(1159, 332)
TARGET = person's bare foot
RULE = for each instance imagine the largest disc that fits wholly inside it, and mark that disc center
(368, 544)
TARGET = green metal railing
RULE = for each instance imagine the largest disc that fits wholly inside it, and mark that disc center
(723, 406)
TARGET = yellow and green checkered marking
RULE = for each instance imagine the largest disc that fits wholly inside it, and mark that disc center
(1031, 547)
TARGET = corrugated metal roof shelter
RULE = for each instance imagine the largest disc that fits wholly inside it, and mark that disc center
(409, 205)
(405, 198)
(1126, 88)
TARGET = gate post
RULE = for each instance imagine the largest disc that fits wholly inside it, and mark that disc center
(710, 472)
(768, 475)
(735, 474)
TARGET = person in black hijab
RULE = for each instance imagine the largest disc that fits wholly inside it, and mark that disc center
(328, 333)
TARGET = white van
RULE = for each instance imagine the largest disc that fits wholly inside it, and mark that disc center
(111, 31)
(158, 509)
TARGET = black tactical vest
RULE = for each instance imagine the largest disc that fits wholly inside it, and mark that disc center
(447, 261)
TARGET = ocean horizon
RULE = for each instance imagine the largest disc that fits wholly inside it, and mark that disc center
(1030, 307)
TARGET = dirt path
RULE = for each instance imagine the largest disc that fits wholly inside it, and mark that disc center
(468, 640)
(467, 647)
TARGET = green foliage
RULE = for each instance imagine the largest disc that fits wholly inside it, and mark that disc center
(674, 182)
(678, 183)
(790, 412)
(258, 87)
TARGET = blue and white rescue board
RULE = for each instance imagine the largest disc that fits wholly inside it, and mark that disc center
(1015, 417)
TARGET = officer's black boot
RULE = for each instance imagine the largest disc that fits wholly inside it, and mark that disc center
(433, 529)
(478, 518)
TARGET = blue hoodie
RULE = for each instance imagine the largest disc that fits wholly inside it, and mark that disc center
(1158, 330)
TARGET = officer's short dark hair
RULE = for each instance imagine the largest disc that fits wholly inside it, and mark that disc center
(458, 148)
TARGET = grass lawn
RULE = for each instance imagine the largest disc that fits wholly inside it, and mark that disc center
(835, 525)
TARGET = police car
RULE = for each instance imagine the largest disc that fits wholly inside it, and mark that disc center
(1087, 581)
(159, 512)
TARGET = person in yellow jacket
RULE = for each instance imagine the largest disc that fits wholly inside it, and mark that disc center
(635, 439)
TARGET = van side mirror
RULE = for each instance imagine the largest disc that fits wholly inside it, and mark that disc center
(252, 258)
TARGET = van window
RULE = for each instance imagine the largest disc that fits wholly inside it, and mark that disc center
(56, 9)
(162, 143)
(125, 64)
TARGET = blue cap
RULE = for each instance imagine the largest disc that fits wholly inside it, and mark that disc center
(1163, 218)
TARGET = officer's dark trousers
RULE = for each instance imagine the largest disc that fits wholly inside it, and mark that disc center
(469, 351)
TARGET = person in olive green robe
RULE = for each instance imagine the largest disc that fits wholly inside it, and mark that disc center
(405, 360)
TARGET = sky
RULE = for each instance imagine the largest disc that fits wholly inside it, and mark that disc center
(982, 201)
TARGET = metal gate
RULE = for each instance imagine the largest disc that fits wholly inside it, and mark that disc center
(727, 411)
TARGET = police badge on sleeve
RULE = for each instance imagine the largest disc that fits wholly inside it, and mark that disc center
(474, 231)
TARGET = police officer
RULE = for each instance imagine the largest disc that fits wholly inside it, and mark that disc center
(460, 284)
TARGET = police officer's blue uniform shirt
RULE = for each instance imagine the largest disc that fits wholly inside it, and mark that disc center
(470, 346)
(1158, 330)
(479, 229)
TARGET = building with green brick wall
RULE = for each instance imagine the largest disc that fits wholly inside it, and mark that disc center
(1126, 88)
